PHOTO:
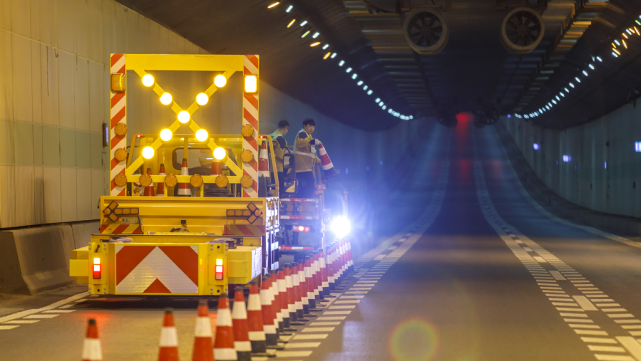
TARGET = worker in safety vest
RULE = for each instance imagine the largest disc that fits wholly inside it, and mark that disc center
(306, 159)
(280, 147)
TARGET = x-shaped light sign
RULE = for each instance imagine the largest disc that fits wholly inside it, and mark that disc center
(252, 213)
(176, 124)
(113, 212)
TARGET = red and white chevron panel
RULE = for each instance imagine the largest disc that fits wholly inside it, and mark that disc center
(156, 269)
(118, 114)
(250, 116)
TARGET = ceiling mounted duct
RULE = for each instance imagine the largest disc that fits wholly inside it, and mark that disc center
(425, 31)
(522, 31)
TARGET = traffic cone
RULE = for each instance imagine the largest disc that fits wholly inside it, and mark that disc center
(291, 295)
(160, 190)
(203, 350)
(328, 168)
(318, 281)
(269, 316)
(309, 281)
(349, 253)
(241, 332)
(283, 292)
(91, 350)
(149, 190)
(168, 339)
(255, 323)
(302, 280)
(224, 342)
(263, 170)
(184, 189)
(324, 279)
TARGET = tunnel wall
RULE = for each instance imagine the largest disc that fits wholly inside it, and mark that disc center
(54, 99)
(603, 172)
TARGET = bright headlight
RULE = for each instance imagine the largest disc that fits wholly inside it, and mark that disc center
(341, 227)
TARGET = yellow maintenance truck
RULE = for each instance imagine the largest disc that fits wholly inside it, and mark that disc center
(172, 225)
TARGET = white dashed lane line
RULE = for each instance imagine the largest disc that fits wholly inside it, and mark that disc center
(539, 262)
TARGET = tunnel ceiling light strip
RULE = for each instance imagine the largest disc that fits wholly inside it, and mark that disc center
(619, 45)
(308, 29)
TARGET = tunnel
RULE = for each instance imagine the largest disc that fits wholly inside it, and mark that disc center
(394, 180)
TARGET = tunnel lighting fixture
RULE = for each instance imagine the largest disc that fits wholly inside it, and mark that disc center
(547, 107)
(316, 34)
(305, 33)
(557, 98)
(572, 85)
(202, 135)
(360, 82)
(628, 31)
(327, 56)
(377, 100)
(554, 101)
(184, 117)
(303, 23)
(251, 84)
(617, 52)
(325, 46)
(148, 80)
(526, 116)
(220, 80)
(273, 5)
(291, 23)
(624, 35)
(166, 98)
(219, 153)
(636, 30)
(591, 66)
(341, 63)
(637, 147)
(566, 90)
(566, 158)
(354, 76)
(166, 135)
(148, 152)
(289, 8)
(585, 73)
(638, 22)
(202, 99)
(617, 42)
(562, 94)
(384, 107)
(333, 55)
(624, 43)
(315, 44)
(535, 146)
(348, 70)
(577, 79)
(365, 87)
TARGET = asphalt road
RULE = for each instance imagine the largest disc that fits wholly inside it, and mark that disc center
(473, 271)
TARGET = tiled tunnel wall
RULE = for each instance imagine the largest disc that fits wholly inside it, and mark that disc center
(601, 171)
(54, 99)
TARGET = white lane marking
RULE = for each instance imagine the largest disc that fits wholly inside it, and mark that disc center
(22, 314)
(599, 340)
(379, 257)
(287, 354)
(585, 304)
(539, 259)
(332, 318)
(67, 306)
(632, 327)
(614, 310)
(565, 304)
(344, 297)
(320, 336)
(527, 249)
(316, 324)
(41, 316)
(609, 305)
(606, 348)
(20, 322)
(602, 357)
(635, 333)
(632, 345)
(577, 320)
(341, 307)
(318, 329)
(627, 321)
(570, 309)
(59, 311)
(347, 301)
(591, 332)
(2, 328)
(557, 275)
(583, 325)
(621, 315)
(337, 313)
(302, 344)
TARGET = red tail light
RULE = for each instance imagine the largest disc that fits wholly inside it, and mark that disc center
(300, 229)
(219, 269)
(97, 270)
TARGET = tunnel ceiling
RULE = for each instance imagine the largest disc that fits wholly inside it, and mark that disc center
(473, 72)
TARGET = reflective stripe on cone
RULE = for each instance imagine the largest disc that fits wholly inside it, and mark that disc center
(241, 332)
(224, 342)
(203, 347)
(255, 321)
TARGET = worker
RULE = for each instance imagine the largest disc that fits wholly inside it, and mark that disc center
(280, 147)
(306, 159)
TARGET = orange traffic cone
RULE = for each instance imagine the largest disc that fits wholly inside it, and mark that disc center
(269, 319)
(255, 322)
(300, 299)
(275, 297)
(291, 296)
(263, 170)
(149, 190)
(241, 332)
(283, 293)
(168, 339)
(91, 350)
(184, 189)
(309, 281)
(318, 295)
(203, 350)
(328, 168)
(224, 342)
(160, 191)
(323, 271)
